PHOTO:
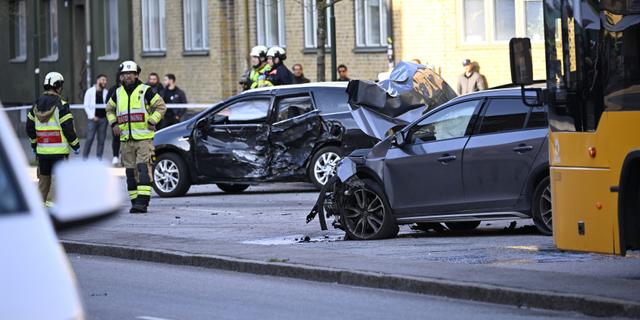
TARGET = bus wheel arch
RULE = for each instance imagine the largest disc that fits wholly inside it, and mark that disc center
(629, 203)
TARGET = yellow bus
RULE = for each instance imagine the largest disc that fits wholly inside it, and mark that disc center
(592, 53)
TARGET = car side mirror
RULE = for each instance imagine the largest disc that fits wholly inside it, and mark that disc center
(398, 139)
(203, 124)
(85, 191)
(394, 129)
(521, 62)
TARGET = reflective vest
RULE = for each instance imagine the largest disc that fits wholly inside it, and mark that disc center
(259, 77)
(133, 113)
(49, 136)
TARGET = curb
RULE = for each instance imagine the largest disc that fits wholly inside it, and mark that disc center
(588, 305)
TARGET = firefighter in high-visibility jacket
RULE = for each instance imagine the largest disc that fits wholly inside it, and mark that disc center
(52, 134)
(259, 69)
(133, 112)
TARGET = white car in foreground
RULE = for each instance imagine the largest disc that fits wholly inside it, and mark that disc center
(36, 279)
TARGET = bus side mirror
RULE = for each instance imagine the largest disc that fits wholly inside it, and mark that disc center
(521, 63)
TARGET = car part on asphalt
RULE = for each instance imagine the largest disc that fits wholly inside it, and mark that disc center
(170, 176)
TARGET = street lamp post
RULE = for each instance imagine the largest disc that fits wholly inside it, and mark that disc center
(332, 40)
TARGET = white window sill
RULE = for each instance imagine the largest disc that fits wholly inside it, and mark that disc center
(52, 58)
(20, 59)
(110, 57)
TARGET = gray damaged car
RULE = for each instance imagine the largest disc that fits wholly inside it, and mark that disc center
(477, 157)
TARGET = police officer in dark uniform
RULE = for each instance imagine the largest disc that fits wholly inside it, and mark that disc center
(279, 73)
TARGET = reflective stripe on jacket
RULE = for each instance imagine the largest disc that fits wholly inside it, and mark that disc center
(133, 114)
(49, 137)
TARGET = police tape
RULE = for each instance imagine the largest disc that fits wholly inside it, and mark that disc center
(102, 106)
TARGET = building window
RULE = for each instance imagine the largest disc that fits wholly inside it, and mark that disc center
(18, 30)
(371, 23)
(50, 30)
(195, 25)
(533, 20)
(111, 37)
(473, 15)
(270, 24)
(504, 23)
(153, 36)
(311, 25)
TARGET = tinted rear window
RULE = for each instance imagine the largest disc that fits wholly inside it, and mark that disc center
(538, 118)
(330, 100)
(504, 115)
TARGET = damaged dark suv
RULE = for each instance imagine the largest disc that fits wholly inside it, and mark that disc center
(285, 134)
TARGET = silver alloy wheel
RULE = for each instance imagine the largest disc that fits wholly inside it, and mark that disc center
(166, 175)
(325, 166)
(367, 217)
(545, 208)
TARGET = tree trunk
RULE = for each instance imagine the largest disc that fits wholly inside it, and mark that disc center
(321, 39)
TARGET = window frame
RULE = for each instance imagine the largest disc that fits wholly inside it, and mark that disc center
(262, 20)
(489, 7)
(487, 104)
(187, 33)
(471, 126)
(51, 32)
(147, 25)
(362, 21)
(110, 20)
(276, 105)
(314, 27)
(18, 31)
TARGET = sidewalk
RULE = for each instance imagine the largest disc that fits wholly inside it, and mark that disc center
(215, 230)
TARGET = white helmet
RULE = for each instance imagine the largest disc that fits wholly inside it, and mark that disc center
(277, 52)
(53, 79)
(129, 66)
(259, 51)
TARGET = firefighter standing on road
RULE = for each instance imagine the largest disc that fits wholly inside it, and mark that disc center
(133, 112)
(50, 128)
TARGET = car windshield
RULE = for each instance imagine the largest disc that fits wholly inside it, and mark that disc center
(11, 199)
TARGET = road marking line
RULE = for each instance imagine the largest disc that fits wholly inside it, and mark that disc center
(150, 318)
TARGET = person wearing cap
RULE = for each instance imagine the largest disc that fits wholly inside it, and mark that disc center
(470, 80)
(52, 134)
(133, 113)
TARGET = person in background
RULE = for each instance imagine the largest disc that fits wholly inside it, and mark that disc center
(96, 116)
(298, 75)
(172, 95)
(279, 74)
(153, 81)
(115, 143)
(343, 73)
(470, 80)
(51, 132)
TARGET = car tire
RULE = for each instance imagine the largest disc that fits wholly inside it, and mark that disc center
(367, 214)
(541, 207)
(170, 176)
(323, 164)
(232, 187)
(462, 225)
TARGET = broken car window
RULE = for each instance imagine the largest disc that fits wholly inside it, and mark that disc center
(292, 107)
(245, 111)
(449, 123)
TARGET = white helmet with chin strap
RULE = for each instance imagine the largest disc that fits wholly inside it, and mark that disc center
(130, 66)
(261, 53)
(277, 52)
(54, 80)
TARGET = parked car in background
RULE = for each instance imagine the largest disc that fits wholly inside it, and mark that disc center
(285, 134)
(481, 156)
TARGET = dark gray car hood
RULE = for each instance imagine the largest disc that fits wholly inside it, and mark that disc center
(411, 90)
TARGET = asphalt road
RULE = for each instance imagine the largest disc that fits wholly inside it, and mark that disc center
(123, 289)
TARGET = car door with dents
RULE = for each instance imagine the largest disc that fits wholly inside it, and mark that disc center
(499, 156)
(424, 176)
(232, 143)
(296, 129)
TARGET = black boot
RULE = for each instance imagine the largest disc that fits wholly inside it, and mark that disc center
(140, 205)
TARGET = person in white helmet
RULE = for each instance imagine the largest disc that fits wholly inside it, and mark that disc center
(279, 74)
(133, 112)
(50, 128)
(255, 77)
